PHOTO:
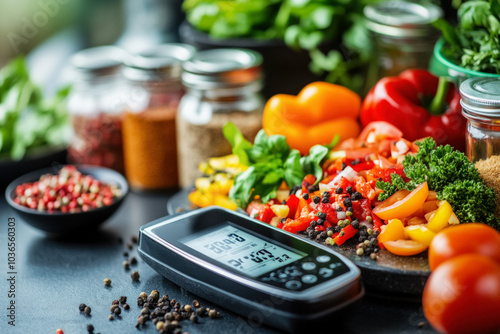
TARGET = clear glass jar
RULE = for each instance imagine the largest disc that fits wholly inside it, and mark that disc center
(223, 85)
(402, 33)
(96, 108)
(151, 99)
(481, 106)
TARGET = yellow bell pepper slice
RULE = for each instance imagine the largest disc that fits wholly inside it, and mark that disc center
(420, 233)
(392, 231)
(441, 217)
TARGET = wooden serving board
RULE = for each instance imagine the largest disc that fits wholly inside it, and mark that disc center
(390, 275)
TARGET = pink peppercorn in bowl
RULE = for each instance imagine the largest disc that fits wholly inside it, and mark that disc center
(67, 199)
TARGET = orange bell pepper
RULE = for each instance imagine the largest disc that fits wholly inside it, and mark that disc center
(319, 112)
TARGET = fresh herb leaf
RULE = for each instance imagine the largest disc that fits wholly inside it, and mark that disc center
(390, 188)
(311, 164)
(237, 141)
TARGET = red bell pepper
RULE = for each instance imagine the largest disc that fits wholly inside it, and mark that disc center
(419, 104)
(345, 234)
(293, 204)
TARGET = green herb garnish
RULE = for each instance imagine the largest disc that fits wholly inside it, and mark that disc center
(271, 161)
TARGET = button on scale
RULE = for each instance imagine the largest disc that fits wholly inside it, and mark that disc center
(308, 266)
(323, 259)
(293, 285)
(309, 279)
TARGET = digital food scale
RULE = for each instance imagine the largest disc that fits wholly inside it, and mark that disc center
(254, 269)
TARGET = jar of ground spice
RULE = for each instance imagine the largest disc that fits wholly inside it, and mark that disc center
(222, 85)
(96, 108)
(480, 100)
(152, 98)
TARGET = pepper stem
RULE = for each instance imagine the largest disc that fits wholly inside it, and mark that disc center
(438, 103)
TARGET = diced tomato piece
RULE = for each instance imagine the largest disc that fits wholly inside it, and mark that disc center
(364, 188)
(345, 234)
(331, 213)
(361, 209)
(254, 208)
(266, 214)
(309, 180)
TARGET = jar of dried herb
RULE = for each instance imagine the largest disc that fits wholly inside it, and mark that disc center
(96, 108)
(480, 100)
(152, 98)
(222, 85)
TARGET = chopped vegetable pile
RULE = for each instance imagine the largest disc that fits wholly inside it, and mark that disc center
(27, 119)
(379, 189)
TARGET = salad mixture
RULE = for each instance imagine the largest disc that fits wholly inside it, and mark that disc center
(377, 190)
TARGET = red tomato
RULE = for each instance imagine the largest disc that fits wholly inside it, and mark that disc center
(378, 131)
(463, 295)
(462, 239)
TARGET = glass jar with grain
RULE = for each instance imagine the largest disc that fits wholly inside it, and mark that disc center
(96, 108)
(402, 33)
(152, 98)
(222, 85)
(480, 100)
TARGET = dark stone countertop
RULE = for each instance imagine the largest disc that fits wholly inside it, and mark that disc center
(55, 275)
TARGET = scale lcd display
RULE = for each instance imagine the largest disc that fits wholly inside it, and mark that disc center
(241, 250)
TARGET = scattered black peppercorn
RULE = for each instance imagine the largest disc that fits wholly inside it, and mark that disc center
(347, 202)
(126, 265)
(125, 254)
(349, 190)
(305, 196)
(122, 299)
(87, 310)
(107, 282)
(111, 317)
(321, 215)
(193, 318)
(133, 261)
(339, 190)
(90, 328)
(81, 307)
(355, 224)
(140, 301)
(321, 221)
(130, 246)
(316, 199)
(313, 223)
(117, 310)
(126, 306)
(135, 276)
(356, 196)
(213, 314)
(134, 239)
(325, 200)
(112, 308)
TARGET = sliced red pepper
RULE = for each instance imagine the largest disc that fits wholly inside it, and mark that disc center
(345, 234)
(299, 224)
(331, 213)
(293, 204)
(363, 166)
(303, 209)
(377, 223)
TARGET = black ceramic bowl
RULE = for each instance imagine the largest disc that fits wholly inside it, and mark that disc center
(60, 223)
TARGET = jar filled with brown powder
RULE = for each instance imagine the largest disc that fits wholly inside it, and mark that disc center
(222, 85)
(153, 95)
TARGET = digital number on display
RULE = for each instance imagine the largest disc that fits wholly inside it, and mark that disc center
(240, 250)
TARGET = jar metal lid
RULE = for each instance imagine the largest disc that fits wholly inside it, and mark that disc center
(98, 62)
(402, 18)
(481, 96)
(158, 63)
(219, 68)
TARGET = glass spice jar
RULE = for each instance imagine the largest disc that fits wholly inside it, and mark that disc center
(402, 33)
(480, 100)
(152, 98)
(223, 85)
(96, 109)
